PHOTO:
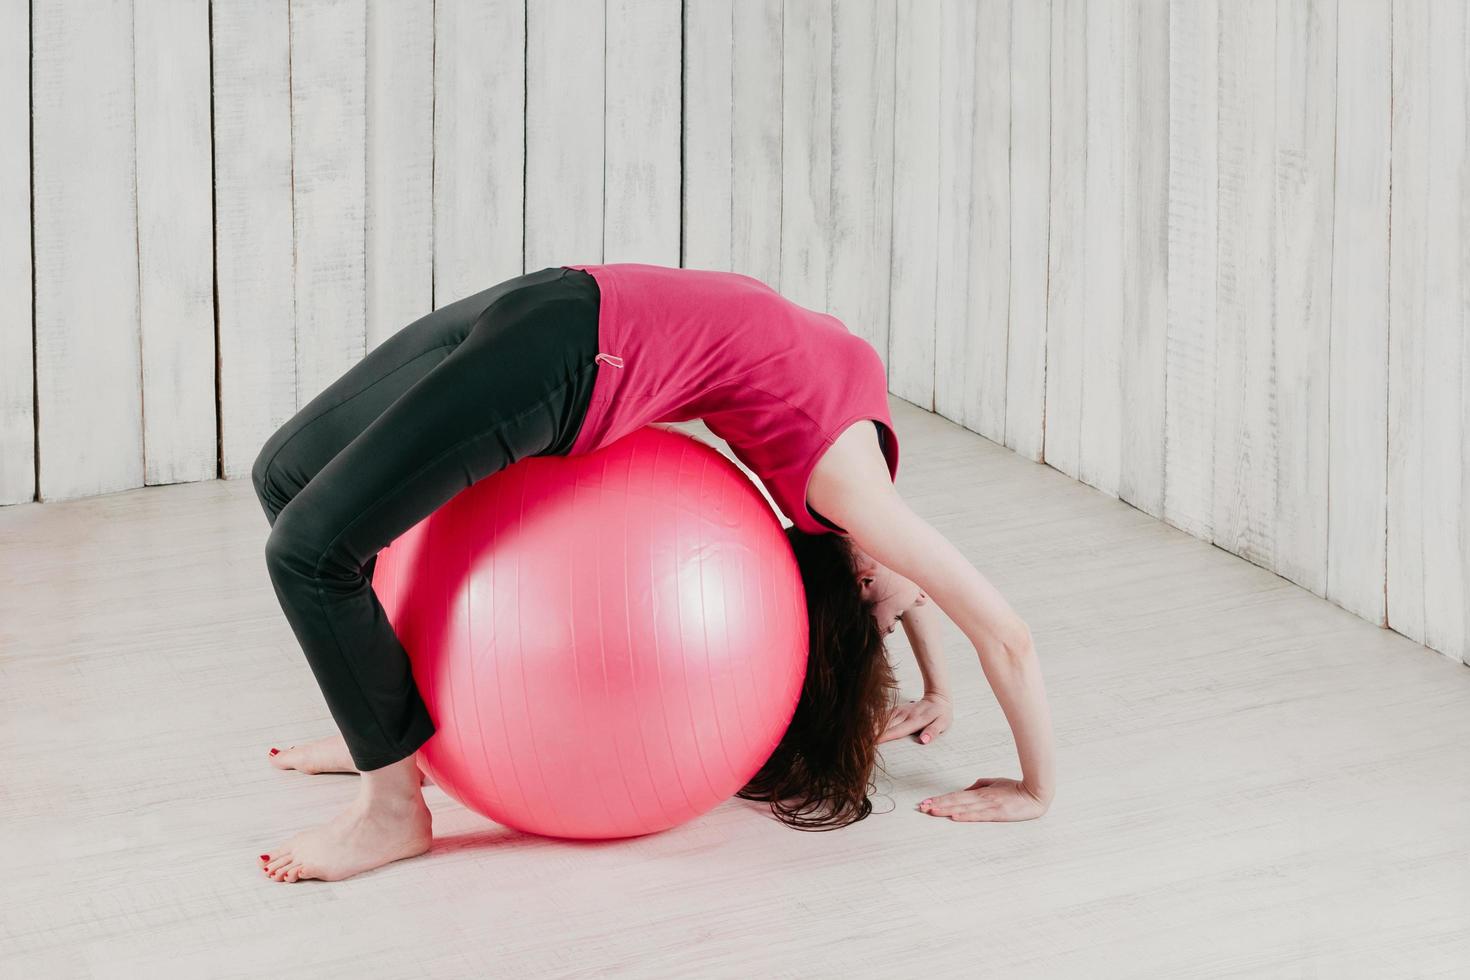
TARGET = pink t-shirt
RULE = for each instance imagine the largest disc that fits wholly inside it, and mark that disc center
(775, 380)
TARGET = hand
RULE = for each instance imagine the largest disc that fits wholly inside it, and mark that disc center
(931, 716)
(992, 800)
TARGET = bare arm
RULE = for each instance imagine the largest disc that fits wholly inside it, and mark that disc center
(851, 487)
(921, 625)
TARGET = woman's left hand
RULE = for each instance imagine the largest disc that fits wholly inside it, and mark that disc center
(993, 800)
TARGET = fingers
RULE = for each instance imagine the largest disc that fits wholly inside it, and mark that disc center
(959, 798)
(986, 799)
(897, 731)
(902, 722)
(970, 808)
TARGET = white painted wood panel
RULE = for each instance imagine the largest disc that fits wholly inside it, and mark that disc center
(399, 177)
(1099, 457)
(17, 351)
(1244, 520)
(1030, 173)
(988, 310)
(755, 154)
(862, 168)
(175, 240)
(806, 152)
(1145, 258)
(565, 169)
(1145, 241)
(329, 188)
(1189, 359)
(956, 332)
(1428, 504)
(254, 244)
(1067, 310)
(1358, 406)
(1306, 68)
(480, 124)
(973, 298)
(709, 115)
(88, 385)
(916, 136)
(641, 122)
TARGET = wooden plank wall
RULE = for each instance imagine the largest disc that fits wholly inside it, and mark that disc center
(1210, 258)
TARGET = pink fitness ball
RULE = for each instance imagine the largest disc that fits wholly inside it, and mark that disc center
(609, 644)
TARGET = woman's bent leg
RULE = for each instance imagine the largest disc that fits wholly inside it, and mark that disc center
(299, 449)
(515, 385)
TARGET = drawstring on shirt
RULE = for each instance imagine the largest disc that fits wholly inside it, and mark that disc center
(612, 359)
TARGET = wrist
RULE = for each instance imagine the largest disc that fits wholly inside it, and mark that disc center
(937, 694)
(1041, 793)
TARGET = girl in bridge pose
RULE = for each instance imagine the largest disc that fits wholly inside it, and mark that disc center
(564, 361)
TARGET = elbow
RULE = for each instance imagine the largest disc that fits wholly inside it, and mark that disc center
(1015, 640)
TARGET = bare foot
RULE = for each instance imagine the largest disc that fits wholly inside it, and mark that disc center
(323, 755)
(389, 821)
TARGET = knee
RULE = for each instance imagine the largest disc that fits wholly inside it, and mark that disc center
(302, 546)
(260, 470)
(291, 548)
(264, 476)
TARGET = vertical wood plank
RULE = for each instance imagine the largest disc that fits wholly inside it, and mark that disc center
(1428, 493)
(1244, 519)
(1358, 409)
(86, 257)
(1100, 457)
(971, 328)
(565, 116)
(328, 188)
(480, 124)
(1066, 260)
(1189, 387)
(400, 165)
(916, 127)
(806, 152)
(17, 416)
(1030, 169)
(708, 120)
(862, 168)
(988, 313)
(641, 168)
(756, 128)
(1145, 195)
(175, 240)
(954, 273)
(1306, 66)
(253, 238)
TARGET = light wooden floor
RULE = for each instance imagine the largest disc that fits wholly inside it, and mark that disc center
(1253, 781)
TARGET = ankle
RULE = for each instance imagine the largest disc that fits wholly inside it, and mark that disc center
(392, 804)
(396, 785)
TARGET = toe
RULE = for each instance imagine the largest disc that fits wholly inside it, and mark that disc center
(278, 861)
(289, 872)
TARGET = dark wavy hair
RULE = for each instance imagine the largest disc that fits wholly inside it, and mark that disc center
(819, 776)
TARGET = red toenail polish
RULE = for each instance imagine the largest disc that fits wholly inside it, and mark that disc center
(275, 751)
(265, 857)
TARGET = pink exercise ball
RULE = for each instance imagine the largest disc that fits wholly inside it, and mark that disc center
(609, 645)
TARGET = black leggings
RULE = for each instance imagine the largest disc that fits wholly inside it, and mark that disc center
(446, 401)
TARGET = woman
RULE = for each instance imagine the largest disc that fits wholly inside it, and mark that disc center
(562, 362)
